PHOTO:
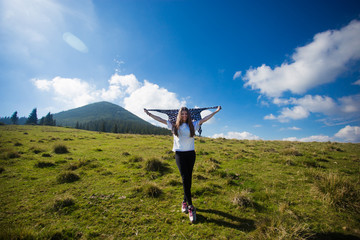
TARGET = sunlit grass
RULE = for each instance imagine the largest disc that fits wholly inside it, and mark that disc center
(116, 186)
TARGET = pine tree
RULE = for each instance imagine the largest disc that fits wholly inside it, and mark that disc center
(49, 120)
(14, 118)
(32, 119)
(115, 129)
(42, 121)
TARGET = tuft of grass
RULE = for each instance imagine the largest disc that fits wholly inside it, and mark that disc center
(281, 227)
(60, 204)
(46, 155)
(126, 154)
(44, 164)
(243, 199)
(18, 232)
(60, 149)
(151, 190)
(155, 165)
(17, 144)
(338, 191)
(78, 164)
(212, 167)
(135, 159)
(36, 150)
(67, 177)
(2, 169)
(11, 154)
(174, 182)
(292, 152)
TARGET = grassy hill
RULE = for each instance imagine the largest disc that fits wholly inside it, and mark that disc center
(61, 183)
(96, 111)
(106, 117)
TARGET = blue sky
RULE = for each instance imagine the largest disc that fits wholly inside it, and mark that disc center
(281, 70)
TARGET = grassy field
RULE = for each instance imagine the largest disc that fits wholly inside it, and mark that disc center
(62, 183)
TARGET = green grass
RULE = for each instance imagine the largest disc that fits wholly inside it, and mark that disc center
(122, 186)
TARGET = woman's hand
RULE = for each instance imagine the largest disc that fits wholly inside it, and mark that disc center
(218, 109)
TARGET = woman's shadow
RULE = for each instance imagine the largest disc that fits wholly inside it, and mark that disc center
(242, 224)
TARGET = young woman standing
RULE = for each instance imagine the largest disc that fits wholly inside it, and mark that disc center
(184, 131)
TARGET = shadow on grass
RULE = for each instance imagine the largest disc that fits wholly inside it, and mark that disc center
(242, 224)
(333, 236)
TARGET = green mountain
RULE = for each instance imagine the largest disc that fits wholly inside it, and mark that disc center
(106, 117)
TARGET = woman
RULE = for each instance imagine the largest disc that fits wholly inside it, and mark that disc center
(184, 131)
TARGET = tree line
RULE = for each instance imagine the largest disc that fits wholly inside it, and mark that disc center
(102, 125)
(120, 126)
(31, 120)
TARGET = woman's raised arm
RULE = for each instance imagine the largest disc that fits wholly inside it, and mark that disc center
(209, 116)
(159, 119)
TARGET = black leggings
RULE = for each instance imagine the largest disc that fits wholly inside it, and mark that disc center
(185, 162)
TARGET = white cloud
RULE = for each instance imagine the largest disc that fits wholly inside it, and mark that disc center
(281, 101)
(315, 138)
(317, 104)
(292, 139)
(42, 84)
(237, 135)
(128, 82)
(291, 128)
(315, 64)
(73, 92)
(126, 89)
(237, 75)
(349, 134)
(357, 82)
(297, 112)
(270, 117)
(350, 104)
(150, 95)
(346, 107)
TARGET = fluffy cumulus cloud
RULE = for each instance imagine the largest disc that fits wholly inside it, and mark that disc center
(346, 108)
(150, 95)
(315, 138)
(237, 135)
(317, 63)
(126, 90)
(72, 92)
(346, 134)
(349, 134)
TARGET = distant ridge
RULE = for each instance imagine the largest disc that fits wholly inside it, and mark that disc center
(106, 117)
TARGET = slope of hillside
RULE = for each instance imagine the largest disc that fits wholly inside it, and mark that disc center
(62, 183)
(106, 117)
(96, 111)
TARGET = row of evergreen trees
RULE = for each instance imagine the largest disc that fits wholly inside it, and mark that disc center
(103, 125)
(118, 126)
(32, 119)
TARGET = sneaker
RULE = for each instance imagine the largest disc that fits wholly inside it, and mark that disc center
(184, 207)
(192, 213)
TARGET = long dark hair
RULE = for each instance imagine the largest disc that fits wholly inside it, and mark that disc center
(179, 122)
